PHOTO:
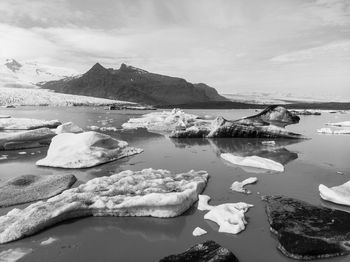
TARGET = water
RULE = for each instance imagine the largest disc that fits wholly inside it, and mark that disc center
(307, 164)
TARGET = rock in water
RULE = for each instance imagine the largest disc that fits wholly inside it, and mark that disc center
(26, 123)
(229, 217)
(307, 232)
(68, 127)
(338, 194)
(86, 149)
(26, 139)
(208, 251)
(29, 188)
(149, 192)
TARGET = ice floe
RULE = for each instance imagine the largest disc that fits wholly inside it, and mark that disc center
(198, 232)
(68, 127)
(338, 194)
(103, 129)
(229, 217)
(86, 149)
(4, 116)
(165, 121)
(29, 188)
(26, 123)
(48, 241)
(239, 186)
(253, 161)
(26, 139)
(326, 130)
(14, 254)
(149, 192)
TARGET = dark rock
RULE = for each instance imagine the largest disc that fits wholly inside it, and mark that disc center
(208, 251)
(29, 188)
(308, 232)
(136, 85)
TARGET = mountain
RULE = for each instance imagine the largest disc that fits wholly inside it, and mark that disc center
(135, 85)
(27, 73)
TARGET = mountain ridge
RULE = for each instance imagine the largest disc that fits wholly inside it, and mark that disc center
(135, 85)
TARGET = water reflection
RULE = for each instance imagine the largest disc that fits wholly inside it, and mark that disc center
(245, 147)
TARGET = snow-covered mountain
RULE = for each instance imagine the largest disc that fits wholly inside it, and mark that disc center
(280, 98)
(28, 73)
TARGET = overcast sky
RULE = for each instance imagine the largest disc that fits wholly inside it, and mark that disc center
(297, 46)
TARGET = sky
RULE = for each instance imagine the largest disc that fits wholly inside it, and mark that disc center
(300, 47)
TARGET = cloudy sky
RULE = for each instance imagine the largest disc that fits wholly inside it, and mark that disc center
(296, 46)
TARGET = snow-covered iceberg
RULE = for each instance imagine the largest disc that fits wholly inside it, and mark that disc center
(338, 194)
(86, 149)
(229, 217)
(26, 123)
(269, 123)
(253, 161)
(148, 192)
(163, 122)
(26, 139)
(239, 186)
(339, 131)
(68, 127)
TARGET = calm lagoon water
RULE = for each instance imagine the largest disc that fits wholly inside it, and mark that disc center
(307, 164)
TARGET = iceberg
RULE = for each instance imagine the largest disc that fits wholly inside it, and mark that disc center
(165, 121)
(229, 217)
(68, 127)
(198, 232)
(239, 186)
(148, 192)
(326, 130)
(26, 139)
(253, 161)
(26, 123)
(86, 149)
(338, 194)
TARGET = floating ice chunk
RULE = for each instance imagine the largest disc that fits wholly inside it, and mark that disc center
(68, 127)
(86, 149)
(229, 217)
(26, 123)
(253, 161)
(165, 121)
(13, 255)
(345, 123)
(26, 139)
(48, 241)
(268, 143)
(149, 192)
(326, 130)
(198, 232)
(4, 116)
(239, 186)
(3, 157)
(338, 194)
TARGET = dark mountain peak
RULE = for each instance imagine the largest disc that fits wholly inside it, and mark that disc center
(13, 65)
(131, 69)
(97, 69)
